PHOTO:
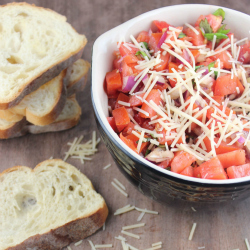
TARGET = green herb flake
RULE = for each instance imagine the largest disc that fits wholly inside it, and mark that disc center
(210, 36)
(197, 67)
(181, 35)
(211, 65)
(147, 152)
(220, 12)
(146, 45)
(223, 30)
(141, 53)
(204, 25)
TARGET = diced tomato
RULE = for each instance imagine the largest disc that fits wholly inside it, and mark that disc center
(162, 140)
(212, 169)
(219, 98)
(114, 81)
(134, 101)
(210, 111)
(125, 51)
(234, 158)
(130, 59)
(181, 160)
(111, 121)
(171, 37)
(196, 53)
(164, 62)
(117, 63)
(197, 172)
(128, 129)
(135, 70)
(161, 87)
(214, 21)
(121, 97)
(160, 25)
(224, 85)
(223, 147)
(223, 40)
(154, 40)
(244, 55)
(121, 118)
(155, 96)
(126, 70)
(143, 37)
(164, 164)
(135, 139)
(129, 143)
(175, 66)
(238, 171)
(188, 171)
(148, 126)
(196, 39)
(224, 59)
(139, 119)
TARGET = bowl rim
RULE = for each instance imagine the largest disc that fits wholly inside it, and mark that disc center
(122, 146)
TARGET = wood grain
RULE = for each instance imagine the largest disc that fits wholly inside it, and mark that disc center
(218, 227)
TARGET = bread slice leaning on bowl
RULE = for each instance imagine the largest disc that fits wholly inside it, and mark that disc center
(37, 44)
(47, 207)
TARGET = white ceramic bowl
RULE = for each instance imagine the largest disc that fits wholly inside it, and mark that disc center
(141, 172)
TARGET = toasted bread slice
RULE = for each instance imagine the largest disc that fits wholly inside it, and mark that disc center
(75, 72)
(69, 117)
(36, 45)
(8, 129)
(44, 105)
(49, 207)
(41, 110)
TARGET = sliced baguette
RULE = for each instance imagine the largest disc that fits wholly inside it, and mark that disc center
(75, 72)
(8, 129)
(36, 45)
(44, 105)
(43, 110)
(69, 117)
(48, 207)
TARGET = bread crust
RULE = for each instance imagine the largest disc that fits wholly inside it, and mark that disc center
(44, 77)
(55, 111)
(15, 129)
(62, 236)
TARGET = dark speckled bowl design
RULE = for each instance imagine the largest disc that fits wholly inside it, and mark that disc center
(159, 184)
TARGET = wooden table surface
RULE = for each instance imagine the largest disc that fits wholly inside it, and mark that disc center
(218, 227)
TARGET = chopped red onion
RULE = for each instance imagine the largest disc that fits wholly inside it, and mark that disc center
(150, 32)
(121, 59)
(128, 83)
(185, 95)
(163, 38)
(241, 140)
(206, 72)
(186, 56)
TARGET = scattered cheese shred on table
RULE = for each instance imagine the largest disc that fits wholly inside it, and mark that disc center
(104, 246)
(119, 189)
(80, 150)
(247, 244)
(130, 234)
(92, 245)
(192, 232)
(78, 243)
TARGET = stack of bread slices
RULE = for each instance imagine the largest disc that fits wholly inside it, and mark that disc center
(40, 71)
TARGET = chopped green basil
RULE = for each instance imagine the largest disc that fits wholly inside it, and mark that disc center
(223, 30)
(197, 67)
(147, 152)
(146, 45)
(181, 35)
(210, 36)
(220, 12)
(211, 65)
(204, 25)
(168, 168)
(141, 53)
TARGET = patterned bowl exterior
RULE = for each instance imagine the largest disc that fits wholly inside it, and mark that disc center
(163, 187)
